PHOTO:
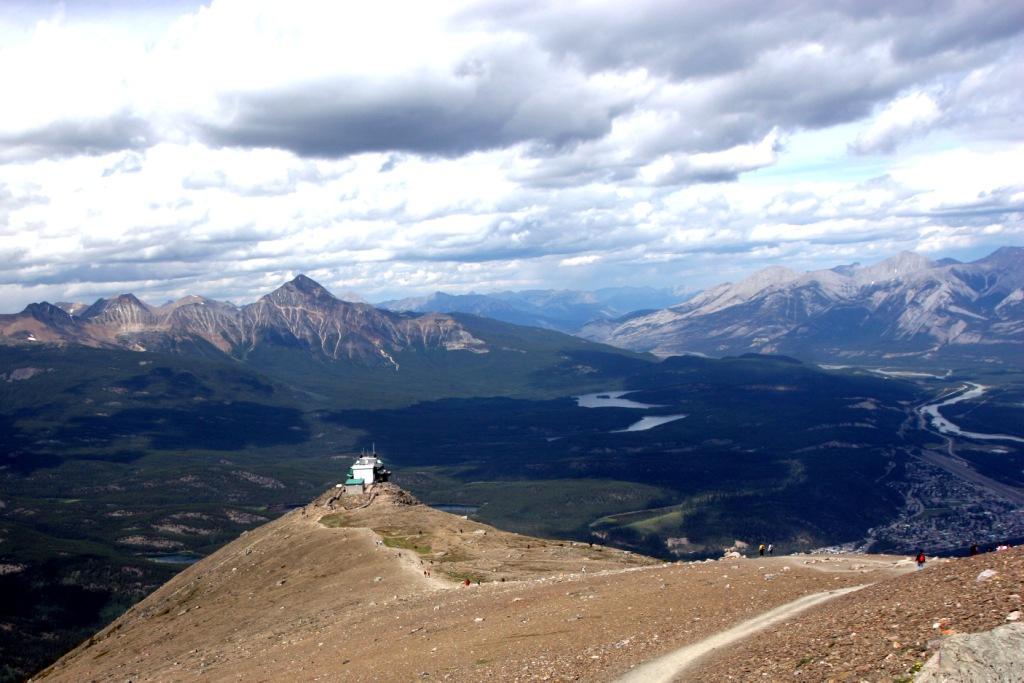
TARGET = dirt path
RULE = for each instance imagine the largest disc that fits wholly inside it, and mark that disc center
(669, 667)
(412, 563)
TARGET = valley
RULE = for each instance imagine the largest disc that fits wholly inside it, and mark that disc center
(124, 476)
(121, 466)
(511, 341)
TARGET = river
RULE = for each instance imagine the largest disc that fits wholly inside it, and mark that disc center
(934, 418)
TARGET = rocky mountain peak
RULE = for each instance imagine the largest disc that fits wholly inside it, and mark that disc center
(906, 301)
(124, 308)
(902, 264)
(847, 269)
(301, 314)
(196, 305)
(301, 291)
(1004, 257)
(766, 277)
(761, 280)
(307, 285)
(186, 300)
(47, 312)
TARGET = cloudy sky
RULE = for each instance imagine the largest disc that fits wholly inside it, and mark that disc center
(399, 148)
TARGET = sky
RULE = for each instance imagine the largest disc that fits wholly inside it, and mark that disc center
(397, 148)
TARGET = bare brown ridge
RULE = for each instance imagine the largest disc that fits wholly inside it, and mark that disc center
(372, 587)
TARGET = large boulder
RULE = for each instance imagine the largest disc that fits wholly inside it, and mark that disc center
(995, 656)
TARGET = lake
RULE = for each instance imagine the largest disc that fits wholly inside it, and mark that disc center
(610, 399)
(649, 422)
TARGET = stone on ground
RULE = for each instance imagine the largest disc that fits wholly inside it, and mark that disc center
(995, 656)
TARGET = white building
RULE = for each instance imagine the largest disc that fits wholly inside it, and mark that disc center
(367, 470)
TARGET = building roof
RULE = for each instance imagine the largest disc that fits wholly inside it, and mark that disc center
(353, 482)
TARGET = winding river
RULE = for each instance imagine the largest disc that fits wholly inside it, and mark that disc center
(936, 421)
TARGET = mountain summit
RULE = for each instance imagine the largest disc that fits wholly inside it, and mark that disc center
(303, 286)
(299, 314)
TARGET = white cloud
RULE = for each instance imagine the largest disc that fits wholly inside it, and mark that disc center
(585, 260)
(909, 115)
(401, 146)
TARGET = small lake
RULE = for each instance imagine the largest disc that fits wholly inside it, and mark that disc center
(456, 509)
(174, 558)
(610, 399)
(649, 422)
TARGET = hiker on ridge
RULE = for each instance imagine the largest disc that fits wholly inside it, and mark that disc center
(920, 559)
(760, 550)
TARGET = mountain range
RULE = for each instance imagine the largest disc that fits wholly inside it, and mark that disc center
(300, 313)
(343, 352)
(133, 435)
(904, 307)
(555, 309)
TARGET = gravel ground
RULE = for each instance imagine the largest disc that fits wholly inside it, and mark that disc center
(883, 632)
(298, 600)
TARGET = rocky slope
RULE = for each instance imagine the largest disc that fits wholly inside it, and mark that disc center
(903, 306)
(300, 313)
(371, 587)
(887, 630)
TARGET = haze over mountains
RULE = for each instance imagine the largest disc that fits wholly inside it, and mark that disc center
(562, 310)
(905, 306)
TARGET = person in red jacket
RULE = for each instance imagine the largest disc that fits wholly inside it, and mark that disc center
(920, 559)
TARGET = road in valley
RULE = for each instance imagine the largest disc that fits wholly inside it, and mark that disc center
(952, 463)
(958, 468)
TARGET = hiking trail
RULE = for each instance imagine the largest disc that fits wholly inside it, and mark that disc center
(670, 666)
